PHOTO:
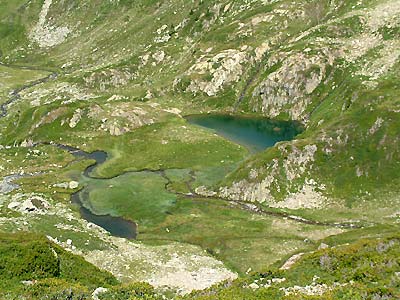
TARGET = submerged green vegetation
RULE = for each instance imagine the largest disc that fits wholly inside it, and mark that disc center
(136, 196)
(311, 212)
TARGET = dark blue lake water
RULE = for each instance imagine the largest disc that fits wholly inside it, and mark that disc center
(256, 134)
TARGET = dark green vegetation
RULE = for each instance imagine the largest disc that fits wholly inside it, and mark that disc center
(46, 266)
(31, 267)
(128, 74)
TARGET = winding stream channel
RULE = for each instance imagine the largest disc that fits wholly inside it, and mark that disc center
(14, 94)
(115, 225)
(256, 134)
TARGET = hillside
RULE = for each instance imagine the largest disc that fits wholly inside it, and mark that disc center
(122, 78)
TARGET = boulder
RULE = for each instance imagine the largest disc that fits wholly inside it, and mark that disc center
(73, 185)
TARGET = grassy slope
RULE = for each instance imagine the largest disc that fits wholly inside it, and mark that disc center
(365, 269)
(13, 78)
(240, 239)
(112, 38)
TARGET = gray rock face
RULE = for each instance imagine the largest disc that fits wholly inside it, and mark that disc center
(224, 68)
(34, 204)
(261, 182)
(7, 185)
(289, 88)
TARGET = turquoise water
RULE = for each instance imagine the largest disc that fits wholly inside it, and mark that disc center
(256, 134)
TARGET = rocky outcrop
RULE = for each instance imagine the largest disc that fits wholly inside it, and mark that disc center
(7, 185)
(224, 68)
(289, 89)
(306, 197)
(120, 118)
(34, 204)
(76, 118)
(279, 174)
(109, 78)
(64, 91)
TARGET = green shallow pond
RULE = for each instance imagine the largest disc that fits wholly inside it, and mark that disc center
(256, 134)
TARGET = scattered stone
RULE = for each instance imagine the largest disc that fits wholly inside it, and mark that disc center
(28, 282)
(63, 185)
(75, 118)
(378, 123)
(323, 246)
(309, 290)
(254, 286)
(97, 292)
(202, 190)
